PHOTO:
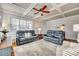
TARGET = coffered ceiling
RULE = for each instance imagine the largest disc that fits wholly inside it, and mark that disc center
(57, 10)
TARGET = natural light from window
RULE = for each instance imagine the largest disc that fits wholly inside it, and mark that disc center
(17, 24)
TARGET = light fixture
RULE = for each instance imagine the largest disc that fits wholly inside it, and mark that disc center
(39, 30)
(3, 25)
(62, 27)
(76, 28)
(4, 29)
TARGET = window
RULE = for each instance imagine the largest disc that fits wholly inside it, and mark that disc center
(14, 24)
(29, 24)
(25, 25)
(17, 24)
(0, 17)
(0, 20)
(22, 24)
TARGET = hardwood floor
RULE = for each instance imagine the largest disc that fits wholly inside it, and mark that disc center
(6, 43)
(6, 48)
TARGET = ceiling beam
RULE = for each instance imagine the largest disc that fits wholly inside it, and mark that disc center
(71, 10)
(62, 4)
(29, 9)
(13, 4)
(52, 16)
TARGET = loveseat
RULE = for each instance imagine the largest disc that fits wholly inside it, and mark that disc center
(55, 36)
(27, 36)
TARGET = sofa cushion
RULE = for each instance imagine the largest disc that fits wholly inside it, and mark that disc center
(28, 35)
(21, 39)
(49, 33)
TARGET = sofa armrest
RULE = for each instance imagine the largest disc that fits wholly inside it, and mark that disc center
(34, 35)
(45, 34)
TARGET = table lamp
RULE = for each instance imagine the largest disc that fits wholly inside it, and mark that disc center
(76, 28)
(39, 30)
(62, 27)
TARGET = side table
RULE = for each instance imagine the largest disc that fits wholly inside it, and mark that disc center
(40, 36)
(13, 46)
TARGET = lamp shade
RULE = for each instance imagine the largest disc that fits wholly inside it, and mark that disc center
(39, 30)
(76, 27)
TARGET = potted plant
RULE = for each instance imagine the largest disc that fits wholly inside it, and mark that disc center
(4, 31)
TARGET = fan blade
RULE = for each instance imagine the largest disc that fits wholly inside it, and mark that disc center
(46, 11)
(36, 13)
(44, 7)
(35, 9)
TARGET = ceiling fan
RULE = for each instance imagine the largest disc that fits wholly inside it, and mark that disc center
(41, 10)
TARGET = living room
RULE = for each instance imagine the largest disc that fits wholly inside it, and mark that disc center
(39, 29)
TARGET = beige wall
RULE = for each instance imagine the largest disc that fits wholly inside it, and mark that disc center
(6, 21)
(39, 24)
